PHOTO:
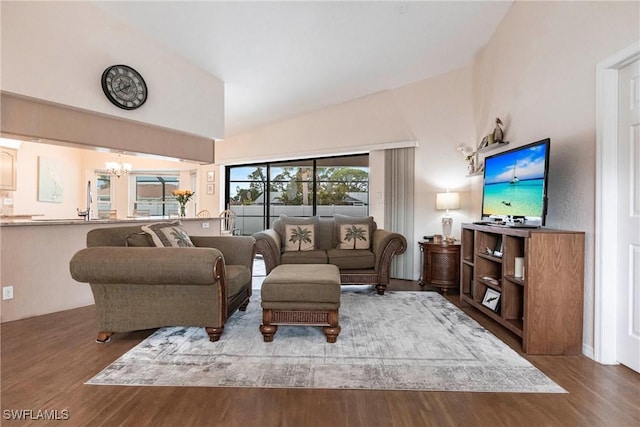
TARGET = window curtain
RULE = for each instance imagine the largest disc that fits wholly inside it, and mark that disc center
(399, 201)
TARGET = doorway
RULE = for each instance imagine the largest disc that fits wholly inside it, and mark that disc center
(617, 287)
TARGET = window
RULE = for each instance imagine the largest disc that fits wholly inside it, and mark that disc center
(343, 186)
(245, 195)
(153, 194)
(291, 188)
(103, 196)
(260, 193)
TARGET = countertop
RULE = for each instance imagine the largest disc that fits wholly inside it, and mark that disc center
(16, 222)
(10, 217)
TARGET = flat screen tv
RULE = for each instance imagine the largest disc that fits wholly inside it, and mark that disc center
(514, 192)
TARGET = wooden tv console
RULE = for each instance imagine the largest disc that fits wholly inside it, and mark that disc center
(545, 306)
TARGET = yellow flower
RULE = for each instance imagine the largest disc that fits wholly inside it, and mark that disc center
(183, 196)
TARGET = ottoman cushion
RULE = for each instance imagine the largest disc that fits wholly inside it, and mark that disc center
(302, 283)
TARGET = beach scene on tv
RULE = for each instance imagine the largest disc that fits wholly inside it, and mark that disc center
(514, 183)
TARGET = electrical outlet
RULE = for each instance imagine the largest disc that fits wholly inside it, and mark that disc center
(205, 225)
(7, 292)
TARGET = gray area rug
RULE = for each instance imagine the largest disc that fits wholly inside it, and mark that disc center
(398, 341)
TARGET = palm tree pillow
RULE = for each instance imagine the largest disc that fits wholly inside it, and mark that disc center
(354, 236)
(168, 234)
(299, 237)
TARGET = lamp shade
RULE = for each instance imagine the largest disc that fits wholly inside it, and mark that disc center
(447, 201)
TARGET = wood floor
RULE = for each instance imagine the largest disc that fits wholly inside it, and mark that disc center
(47, 359)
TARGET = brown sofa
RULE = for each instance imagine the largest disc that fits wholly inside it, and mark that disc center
(367, 266)
(139, 286)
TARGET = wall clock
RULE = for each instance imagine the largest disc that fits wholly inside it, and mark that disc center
(124, 87)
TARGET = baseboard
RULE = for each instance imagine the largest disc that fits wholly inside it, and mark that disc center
(588, 351)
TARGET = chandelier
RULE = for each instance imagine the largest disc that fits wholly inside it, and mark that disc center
(118, 167)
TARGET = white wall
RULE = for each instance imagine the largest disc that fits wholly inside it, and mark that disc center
(57, 51)
(538, 74)
(25, 200)
(351, 127)
(439, 113)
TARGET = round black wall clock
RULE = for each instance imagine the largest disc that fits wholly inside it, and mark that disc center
(124, 87)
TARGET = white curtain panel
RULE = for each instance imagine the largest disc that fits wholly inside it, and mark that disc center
(398, 202)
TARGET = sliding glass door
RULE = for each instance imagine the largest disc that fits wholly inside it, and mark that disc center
(291, 188)
(246, 196)
(260, 193)
(342, 186)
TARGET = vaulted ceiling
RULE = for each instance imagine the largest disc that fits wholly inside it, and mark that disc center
(280, 59)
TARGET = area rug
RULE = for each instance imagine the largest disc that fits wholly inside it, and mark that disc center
(396, 341)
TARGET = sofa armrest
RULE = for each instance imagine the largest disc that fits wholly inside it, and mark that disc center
(268, 244)
(237, 250)
(385, 244)
(147, 266)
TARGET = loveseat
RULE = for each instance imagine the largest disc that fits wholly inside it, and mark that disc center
(362, 252)
(194, 281)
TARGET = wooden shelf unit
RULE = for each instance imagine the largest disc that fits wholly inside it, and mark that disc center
(545, 306)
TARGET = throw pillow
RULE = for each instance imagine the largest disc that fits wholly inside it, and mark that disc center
(280, 226)
(168, 234)
(354, 236)
(352, 220)
(299, 237)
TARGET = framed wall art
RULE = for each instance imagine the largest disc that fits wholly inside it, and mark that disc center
(491, 299)
(50, 179)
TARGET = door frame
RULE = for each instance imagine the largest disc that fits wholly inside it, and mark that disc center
(606, 234)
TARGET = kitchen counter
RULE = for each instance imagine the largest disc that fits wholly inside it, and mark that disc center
(26, 220)
(18, 217)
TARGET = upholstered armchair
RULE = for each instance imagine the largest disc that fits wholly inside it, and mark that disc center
(139, 286)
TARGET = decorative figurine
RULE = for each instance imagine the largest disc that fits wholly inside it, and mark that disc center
(469, 157)
(498, 133)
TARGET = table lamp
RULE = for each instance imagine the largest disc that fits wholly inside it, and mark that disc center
(446, 201)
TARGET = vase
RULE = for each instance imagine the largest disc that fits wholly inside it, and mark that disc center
(183, 211)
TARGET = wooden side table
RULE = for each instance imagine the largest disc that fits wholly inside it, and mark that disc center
(440, 265)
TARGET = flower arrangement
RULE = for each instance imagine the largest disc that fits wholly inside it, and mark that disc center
(183, 196)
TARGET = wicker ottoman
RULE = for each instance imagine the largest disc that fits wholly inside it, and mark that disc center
(301, 294)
